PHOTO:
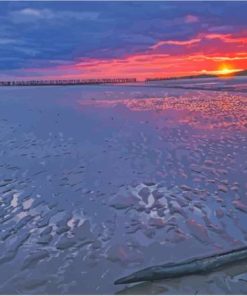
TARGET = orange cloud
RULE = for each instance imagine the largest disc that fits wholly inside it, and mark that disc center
(175, 42)
(228, 38)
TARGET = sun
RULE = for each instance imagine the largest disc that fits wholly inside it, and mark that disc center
(225, 70)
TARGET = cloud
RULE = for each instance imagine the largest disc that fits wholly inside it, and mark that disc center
(190, 19)
(175, 42)
(228, 38)
(224, 38)
(7, 41)
(28, 14)
(32, 12)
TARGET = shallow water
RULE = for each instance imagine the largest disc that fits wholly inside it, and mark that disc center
(98, 182)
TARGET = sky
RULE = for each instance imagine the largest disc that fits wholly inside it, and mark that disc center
(81, 40)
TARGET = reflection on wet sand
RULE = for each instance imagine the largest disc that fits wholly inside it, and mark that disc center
(221, 110)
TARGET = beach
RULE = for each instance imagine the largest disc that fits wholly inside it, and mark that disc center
(97, 182)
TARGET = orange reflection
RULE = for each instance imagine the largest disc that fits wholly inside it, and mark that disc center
(199, 110)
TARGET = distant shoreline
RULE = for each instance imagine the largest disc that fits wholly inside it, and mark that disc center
(234, 74)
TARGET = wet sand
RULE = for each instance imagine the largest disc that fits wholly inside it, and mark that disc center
(98, 182)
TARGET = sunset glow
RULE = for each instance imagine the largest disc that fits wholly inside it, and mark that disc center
(226, 70)
(164, 42)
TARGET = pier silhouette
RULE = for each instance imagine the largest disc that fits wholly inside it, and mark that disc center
(67, 82)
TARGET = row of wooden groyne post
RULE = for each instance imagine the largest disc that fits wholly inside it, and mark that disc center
(67, 82)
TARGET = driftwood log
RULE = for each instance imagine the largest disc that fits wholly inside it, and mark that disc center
(187, 267)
